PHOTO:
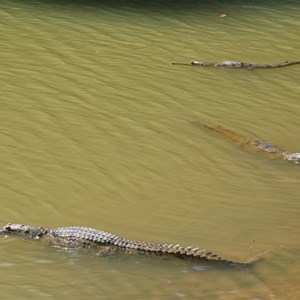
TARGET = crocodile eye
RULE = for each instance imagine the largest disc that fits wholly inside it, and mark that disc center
(39, 235)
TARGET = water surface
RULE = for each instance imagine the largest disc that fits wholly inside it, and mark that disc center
(98, 129)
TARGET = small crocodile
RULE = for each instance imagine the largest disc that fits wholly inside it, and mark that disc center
(83, 237)
(237, 64)
(258, 146)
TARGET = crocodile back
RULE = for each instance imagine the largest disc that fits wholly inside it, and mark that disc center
(88, 237)
(265, 147)
(104, 242)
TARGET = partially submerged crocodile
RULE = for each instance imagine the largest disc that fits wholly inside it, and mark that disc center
(83, 237)
(258, 146)
(237, 64)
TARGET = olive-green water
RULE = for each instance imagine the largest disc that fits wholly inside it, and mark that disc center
(98, 129)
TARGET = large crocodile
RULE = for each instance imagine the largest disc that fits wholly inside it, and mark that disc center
(83, 237)
(258, 146)
(237, 64)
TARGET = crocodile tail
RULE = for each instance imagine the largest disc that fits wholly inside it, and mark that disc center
(196, 254)
(279, 65)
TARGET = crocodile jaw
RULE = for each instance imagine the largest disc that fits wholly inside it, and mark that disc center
(15, 229)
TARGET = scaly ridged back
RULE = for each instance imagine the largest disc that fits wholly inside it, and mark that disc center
(237, 64)
(92, 238)
(258, 146)
(84, 235)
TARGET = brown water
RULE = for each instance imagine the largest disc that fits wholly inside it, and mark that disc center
(98, 129)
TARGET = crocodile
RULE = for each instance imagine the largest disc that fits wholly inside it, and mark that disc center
(237, 64)
(258, 146)
(84, 237)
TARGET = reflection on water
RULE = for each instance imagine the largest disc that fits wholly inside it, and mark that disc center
(97, 129)
(59, 273)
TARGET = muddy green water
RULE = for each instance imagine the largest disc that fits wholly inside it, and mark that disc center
(98, 129)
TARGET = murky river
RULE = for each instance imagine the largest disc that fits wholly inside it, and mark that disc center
(98, 129)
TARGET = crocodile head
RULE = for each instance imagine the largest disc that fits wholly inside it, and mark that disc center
(23, 230)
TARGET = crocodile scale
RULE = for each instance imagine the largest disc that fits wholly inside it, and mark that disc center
(87, 237)
(258, 146)
(237, 64)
